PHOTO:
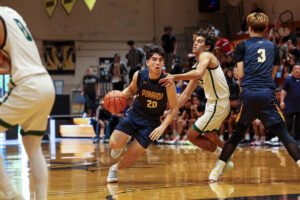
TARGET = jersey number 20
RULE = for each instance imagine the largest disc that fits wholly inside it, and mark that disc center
(151, 104)
(262, 57)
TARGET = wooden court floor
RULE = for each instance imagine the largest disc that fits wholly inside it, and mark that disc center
(78, 170)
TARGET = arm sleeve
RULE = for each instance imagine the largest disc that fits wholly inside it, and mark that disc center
(276, 56)
(239, 52)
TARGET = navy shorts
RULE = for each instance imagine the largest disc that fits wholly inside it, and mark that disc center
(259, 104)
(137, 128)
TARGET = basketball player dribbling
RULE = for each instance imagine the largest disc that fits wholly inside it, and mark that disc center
(142, 121)
(257, 60)
(210, 75)
(29, 101)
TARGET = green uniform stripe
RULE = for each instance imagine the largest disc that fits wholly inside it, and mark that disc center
(213, 84)
(197, 129)
(6, 125)
(40, 133)
(5, 99)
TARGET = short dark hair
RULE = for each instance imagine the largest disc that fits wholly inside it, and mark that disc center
(130, 42)
(210, 39)
(168, 28)
(155, 49)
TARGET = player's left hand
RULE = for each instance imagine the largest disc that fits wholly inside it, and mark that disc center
(169, 79)
(156, 133)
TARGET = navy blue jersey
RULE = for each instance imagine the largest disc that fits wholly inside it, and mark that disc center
(151, 99)
(259, 56)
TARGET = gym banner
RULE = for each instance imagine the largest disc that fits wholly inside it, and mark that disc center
(90, 4)
(68, 5)
(50, 6)
(59, 57)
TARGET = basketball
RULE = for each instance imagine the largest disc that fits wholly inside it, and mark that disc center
(115, 101)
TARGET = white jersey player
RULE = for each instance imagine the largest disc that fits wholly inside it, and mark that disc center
(29, 100)
(209, 73)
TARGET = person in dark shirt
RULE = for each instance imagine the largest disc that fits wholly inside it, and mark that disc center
(90, 90)
(135, 58)
(233, 84)
(169, 44)
(256, 58)
(142, 121)
(290, 100)
(102, 117)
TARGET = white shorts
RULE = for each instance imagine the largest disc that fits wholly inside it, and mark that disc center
(28, 104)
(214, 114)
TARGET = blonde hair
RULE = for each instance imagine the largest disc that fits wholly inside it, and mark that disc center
(258, 21)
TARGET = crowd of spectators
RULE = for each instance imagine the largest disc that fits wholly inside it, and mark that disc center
(287, 78)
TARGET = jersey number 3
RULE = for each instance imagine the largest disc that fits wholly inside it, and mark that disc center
(262, 57)
(24, 30)
(151, 104)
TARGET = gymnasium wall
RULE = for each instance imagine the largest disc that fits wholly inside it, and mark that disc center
(104, 31)
(273, 8)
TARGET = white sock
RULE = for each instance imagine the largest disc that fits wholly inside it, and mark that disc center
(247, 136)
(5, 184)
(115, 167)
(220, 164)
(263, 138)
(256, 137)
(298, 162)
(217, 151)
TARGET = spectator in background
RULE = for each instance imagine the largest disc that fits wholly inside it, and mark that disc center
(289, 36)
(233, 84)
(290, 62)
(276, 33)
(102, 117)
(223, 45)
(169, 44)
(180, 86)
(230, 120)
(118, 71)
(213, 30)
(259, 133)
(90, 90)
(293, 50)
(136, 58)
(290, 100)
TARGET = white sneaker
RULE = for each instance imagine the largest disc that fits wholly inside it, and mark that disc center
(116, 153)
(214, 175)
(275, 139)
(112, 174)
(216, 172)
